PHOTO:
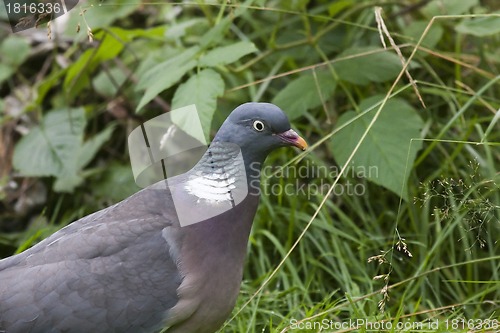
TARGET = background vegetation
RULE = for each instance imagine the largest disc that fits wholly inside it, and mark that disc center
(419, 245)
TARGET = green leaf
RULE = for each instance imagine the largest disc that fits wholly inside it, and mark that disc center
(416, 28)
(108, 82)
(227, 54)
(14, 50)
(6, 71)
(216, 34)
(480, 27)
(99, 14)
(111, 45)
(302, 93)
(102, 16)
(156, 33)
(380, 66)
(448, 7)
(47, 147)
(385, 157)
(152, 57)
(47, 83)
(91, 146)
(338, 6)
(56, 148)
(179, 30)
(202, 90)
(164, 75)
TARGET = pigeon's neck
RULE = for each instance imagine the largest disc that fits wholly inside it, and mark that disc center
(224, 173)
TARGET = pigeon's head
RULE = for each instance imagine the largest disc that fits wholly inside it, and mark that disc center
(259, 128)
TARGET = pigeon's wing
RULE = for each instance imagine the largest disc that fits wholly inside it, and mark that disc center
(112, 271)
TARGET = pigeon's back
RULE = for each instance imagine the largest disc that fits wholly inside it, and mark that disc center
(112, 271)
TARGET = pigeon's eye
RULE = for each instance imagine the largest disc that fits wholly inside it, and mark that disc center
(258, 125)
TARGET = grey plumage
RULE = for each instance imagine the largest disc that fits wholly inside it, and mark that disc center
(132, 267)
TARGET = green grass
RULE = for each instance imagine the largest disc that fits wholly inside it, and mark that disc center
(450, 229)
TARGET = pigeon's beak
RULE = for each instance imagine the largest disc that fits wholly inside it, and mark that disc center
(292, 138)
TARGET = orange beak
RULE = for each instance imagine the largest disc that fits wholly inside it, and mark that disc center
(291, 137)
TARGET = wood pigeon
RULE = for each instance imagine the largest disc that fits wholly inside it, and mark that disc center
(133, 267)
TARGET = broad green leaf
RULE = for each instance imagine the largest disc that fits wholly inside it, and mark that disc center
(179, 30)
(202, 90)
(387, 154)
(369, 66)
(108, 82)
(47, 83)
(56, 148)
(480, 27)
(46, 149)
(165, 74)
(152, 57)
(5, 72)
(152, 33)
(416, 28)
(448, 7)
(14, 50)
(99, 14)
(111, 44)
(67, 180)
(91, 146)
(338, 6)
(227, 54)
(215, 34)
(302, 93)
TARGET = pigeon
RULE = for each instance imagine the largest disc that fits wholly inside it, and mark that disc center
(134, 267)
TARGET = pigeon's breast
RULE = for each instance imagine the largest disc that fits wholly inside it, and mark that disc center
(212, 269)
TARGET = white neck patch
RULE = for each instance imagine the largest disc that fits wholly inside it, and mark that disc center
(215, 188)
(220, 177)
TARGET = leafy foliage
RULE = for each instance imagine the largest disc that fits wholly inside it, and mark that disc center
(306, 92)
(227, 54)
(389, 146)
(202, 90)
(371, 65)
(56, 148)
(480, 27)
(165, 75)
(14, 51)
